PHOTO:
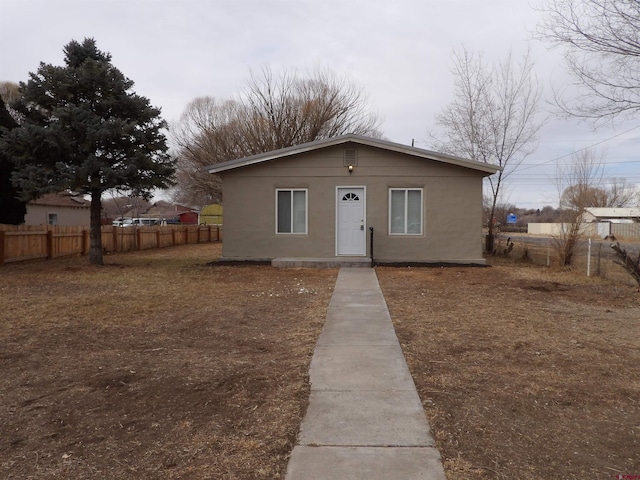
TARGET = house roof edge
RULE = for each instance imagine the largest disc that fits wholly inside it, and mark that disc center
(487, 168)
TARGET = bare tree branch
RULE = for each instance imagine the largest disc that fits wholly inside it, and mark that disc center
(581, 185)
(493, 118)
(602, 42)
(274, 112)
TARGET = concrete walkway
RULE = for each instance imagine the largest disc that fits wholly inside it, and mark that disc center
(365, 419)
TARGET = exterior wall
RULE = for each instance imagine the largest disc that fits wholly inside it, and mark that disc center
(211, 215)
(626, 230)
(544, 228)
(190, 218)
(452, 207)
(68, 216)
(555, 229)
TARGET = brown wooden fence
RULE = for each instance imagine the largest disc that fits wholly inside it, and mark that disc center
(27, 242)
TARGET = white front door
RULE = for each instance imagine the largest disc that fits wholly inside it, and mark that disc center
(350, 221)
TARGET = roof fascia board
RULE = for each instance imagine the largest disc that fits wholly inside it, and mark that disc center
(613, 211)
(372, 142)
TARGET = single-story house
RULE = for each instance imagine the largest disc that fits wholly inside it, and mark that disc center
(353, 197)
(612, 215)
(59, 209)
(172, 213)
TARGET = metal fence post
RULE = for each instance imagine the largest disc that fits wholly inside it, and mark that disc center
(589, 258)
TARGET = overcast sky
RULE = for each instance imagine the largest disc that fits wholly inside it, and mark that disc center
(398, 51)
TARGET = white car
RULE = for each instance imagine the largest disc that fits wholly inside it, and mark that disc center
(136, 222)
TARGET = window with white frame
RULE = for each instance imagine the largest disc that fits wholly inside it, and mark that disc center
(405, 211)
(291, 211)
(52, 218)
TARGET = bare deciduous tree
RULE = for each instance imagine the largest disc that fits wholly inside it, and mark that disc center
(118, 204)
(602, 50)
(9, 91)
(621, 193)
(297, 109)
(208, 132)
(618, 193)
(274, 112)
(493, 118)
(576, 183)
(584, 186)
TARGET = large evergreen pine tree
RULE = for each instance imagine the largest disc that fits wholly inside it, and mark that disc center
(12, 208)
(85, 130)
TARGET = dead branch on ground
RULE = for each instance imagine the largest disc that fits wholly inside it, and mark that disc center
(624, 258)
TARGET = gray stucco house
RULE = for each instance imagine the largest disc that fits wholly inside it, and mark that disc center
(324, 200)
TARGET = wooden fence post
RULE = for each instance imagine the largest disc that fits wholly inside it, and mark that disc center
(49, 244)
(1, 247)
(186, 235)
(158, 237)
(173, 236)
(139, 238)
(85, 242)
(115, 238)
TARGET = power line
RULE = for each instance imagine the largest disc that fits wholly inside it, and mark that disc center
(621, 162)
(582, 149)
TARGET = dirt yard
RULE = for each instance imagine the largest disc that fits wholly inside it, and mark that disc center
(524, 373)
(155, 366)
(158, 366)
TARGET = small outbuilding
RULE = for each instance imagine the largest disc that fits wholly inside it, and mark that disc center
(211, 215)
(612, 215)
(62, 208)
(614, 222)
(353, 197)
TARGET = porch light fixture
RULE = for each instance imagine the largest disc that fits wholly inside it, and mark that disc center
(350, 168)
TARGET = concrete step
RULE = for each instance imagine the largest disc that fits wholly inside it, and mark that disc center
(335, 262)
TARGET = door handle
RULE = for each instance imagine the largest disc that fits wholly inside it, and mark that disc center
(361, 224)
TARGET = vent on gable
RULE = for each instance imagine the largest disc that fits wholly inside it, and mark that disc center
(350, 157)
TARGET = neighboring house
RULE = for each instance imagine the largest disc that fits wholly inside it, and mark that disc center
(319, 200)
(172, 213)
(58, 209)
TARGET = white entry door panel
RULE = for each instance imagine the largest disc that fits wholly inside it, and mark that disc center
(350, 221)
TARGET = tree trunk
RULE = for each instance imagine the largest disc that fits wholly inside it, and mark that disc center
(632, 266)
(489, 242)
(95, 236)
(490, 238)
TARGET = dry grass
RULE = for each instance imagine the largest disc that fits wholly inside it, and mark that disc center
(524, 372)
(534, 250)
(155, 366)
(158, 366)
